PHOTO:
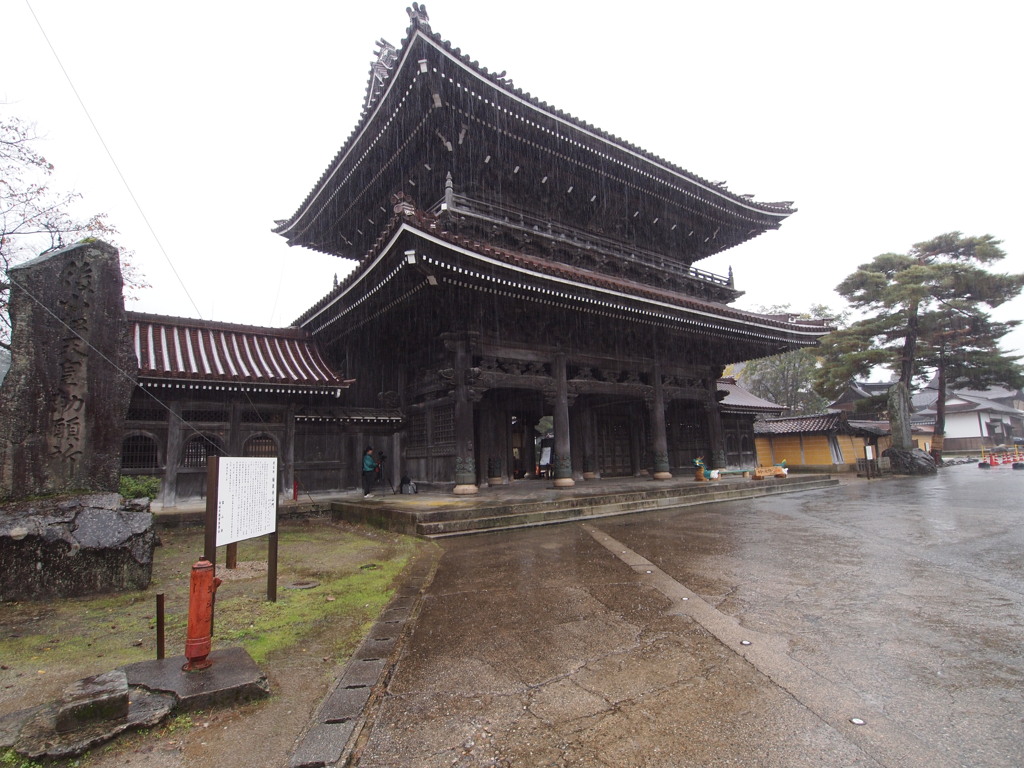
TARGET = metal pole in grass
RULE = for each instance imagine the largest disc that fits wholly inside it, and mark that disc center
(160, 626)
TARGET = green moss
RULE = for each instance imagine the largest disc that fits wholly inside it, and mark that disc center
(11, 759)
(351, 601)
(139, 486)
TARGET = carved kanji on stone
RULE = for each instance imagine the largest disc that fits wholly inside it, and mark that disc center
(63, 403)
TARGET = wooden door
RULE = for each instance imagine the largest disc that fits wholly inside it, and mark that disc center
(614, 454)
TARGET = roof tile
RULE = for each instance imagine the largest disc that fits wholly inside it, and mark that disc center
(183, 349)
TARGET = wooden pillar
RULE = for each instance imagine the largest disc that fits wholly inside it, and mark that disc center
(561, 461)
(637, 437)
(576, 440)
(530, 444)
(492, 444)
(288, 453)
(173, 458)
(233, 445)
(716, 435)
(465, 461)
(657, 410)
(588, 441)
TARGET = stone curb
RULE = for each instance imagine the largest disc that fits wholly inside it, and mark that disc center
(334, 731)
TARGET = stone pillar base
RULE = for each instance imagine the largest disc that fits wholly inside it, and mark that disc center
(662, 475)
(465, 490)
(564, 482)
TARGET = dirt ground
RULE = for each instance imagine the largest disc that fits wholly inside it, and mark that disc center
(333, 581)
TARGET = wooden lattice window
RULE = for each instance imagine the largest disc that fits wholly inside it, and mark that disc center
(139, 452)
(417, 430)
(260, 447)
(444, 428)
(198, 449)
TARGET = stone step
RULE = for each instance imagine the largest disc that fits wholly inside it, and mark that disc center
(440, 519)
(556, 513)
(583, 498)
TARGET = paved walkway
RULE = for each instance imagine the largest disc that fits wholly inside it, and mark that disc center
(871, 625)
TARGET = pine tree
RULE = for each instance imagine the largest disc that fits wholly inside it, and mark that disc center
(927, 310)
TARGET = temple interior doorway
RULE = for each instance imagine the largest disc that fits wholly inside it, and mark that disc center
(687, 432)
(507, 434)
(619, 434)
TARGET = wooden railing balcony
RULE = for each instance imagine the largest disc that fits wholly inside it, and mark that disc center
(505, 217)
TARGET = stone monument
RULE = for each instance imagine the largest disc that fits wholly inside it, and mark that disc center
(64, 399)
(62, 409)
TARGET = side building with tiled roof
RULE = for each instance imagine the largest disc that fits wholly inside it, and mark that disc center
(975, 420)
(822, 442)
(516, 263)
(207, 388)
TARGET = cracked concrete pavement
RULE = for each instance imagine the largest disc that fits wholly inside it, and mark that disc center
(873, 624)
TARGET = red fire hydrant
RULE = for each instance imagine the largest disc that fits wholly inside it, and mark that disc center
(199, 639)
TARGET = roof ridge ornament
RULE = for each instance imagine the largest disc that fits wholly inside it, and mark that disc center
(418, 15)
(380, 71)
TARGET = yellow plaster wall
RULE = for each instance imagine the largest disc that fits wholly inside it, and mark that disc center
(852, 448)
(772, 450)
(816, 450)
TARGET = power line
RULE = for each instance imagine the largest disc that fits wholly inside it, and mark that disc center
(111, 363)
(113, 162)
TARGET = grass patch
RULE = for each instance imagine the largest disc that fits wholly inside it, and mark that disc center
(352, 599)
(65, 640)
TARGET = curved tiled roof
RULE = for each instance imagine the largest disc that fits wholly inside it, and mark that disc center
(419, 31)
(572, 275)
(819, 423)
(740, 400)
(197, 353)
(789, 425)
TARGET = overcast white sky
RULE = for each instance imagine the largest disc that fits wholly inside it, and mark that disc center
(886, 122)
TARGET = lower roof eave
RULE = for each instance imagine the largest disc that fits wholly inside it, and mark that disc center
(333, 390)
(552, 287)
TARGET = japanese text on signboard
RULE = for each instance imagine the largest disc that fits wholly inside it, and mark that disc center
(246, 499)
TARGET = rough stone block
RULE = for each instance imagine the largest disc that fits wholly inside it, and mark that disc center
(73, 546)
(94, 699)
(232, 678)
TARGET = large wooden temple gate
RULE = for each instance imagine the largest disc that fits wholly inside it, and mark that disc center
(515, 263)
(616, 420)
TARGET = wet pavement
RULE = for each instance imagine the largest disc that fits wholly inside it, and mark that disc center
(877, 623)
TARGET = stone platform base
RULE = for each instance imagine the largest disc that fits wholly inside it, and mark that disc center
(151, 690)
(74, 546)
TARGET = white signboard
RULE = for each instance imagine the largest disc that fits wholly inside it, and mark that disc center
(246, 499)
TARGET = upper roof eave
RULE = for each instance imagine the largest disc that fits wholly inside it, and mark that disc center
(420, 32)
